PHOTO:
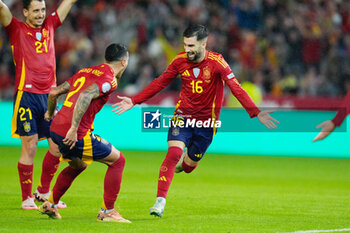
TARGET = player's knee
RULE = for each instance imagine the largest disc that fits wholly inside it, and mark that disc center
(194, 154)
(53, 148)
(29, 151)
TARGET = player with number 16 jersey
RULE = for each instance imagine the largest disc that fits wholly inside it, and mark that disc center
(203, 74)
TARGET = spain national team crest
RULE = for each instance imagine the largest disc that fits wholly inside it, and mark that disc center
(175, 131)
(26, 126)
(45, 33)
(206, 74)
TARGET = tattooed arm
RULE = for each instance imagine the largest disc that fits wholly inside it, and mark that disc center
(82, 104)
(52, 100)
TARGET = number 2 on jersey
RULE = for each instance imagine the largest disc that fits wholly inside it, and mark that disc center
(81, 80)
(196, 88)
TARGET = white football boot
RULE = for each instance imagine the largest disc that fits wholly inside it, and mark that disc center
(158, 208)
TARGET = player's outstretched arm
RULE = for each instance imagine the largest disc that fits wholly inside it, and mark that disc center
(5, 14)
(52, 99)
(265, 118)
(64, 9)
(82, 104)
(122, 106)
(327, 128)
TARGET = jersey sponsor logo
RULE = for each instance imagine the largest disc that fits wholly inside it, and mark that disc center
(26, 126)
(38, 36)
(53, 14)
(163, 178)
(231, 75)
(186, 73)
(151, 120)
(196, 72)
(28, 85)
(106, 87)
(206, 74)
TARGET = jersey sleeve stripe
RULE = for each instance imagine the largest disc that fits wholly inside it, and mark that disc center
(183, 55)
(218, 59)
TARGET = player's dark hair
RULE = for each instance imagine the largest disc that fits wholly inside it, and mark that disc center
(196, 30)
(116, 52)
(26, 3)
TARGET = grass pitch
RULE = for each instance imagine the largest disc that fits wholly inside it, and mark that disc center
(224, 194)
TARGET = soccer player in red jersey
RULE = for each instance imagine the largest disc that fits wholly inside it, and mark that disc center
(203, 75)
(87, 91)
(32, 44)
(327, 127)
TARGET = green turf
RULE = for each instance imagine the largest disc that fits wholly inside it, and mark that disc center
(225, 194)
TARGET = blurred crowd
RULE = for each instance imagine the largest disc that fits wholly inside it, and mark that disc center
(290, 47)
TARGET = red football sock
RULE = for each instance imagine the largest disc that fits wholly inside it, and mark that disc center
(26, 179)
(63, 182)
(112, 182)
(167, 170)
(188, 168)
(49, 168)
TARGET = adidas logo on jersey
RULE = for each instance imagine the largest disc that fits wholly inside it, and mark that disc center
(186, 73)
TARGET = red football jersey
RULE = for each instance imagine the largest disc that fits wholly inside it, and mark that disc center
(202, 91)
(103, 76)
(343, 111)
(34, 54)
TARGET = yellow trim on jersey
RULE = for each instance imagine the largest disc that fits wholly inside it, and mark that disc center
(177, 106)
(183, 55)
(213, 116)
(23, 77)
(63, 160)
(15, 113)
(13, 54)
(218, 58)
(87, 151)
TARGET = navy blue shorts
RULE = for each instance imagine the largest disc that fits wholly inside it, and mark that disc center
(91, 147)
(197, 140)
(28, 115)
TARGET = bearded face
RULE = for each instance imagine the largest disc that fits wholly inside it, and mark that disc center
(194, 48)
